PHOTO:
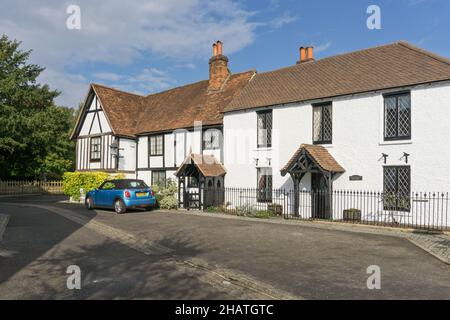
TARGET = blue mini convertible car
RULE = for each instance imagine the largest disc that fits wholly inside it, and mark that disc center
(121, 194)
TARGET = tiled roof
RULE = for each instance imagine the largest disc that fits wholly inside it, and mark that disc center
(130, 114)
(319, 154)
(121, 108)
(180, 107)
(385, 67)
(206, 164)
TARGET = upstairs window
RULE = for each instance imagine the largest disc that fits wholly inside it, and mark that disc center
(397, 188)
(211, 139)
(397, 117)
(264, 129)
(264, 187)
(156, 145)
(322, 124)
(96, 149)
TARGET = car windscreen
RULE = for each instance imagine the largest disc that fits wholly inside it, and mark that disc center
(131, 184)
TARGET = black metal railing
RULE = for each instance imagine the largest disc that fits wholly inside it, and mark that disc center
(418, 210)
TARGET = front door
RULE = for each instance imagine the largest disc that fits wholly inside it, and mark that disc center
(320, 197)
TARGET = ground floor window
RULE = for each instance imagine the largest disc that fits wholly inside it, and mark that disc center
(264, 185)
(397, 188)
(159, 178)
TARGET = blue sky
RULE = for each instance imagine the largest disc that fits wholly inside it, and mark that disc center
(148, 46)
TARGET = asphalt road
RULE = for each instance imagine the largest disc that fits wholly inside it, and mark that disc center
(160, 255)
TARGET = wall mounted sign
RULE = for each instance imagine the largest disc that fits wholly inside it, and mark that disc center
(356, 178)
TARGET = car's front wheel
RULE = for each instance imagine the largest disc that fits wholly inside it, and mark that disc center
(119, 206)
(89, 203)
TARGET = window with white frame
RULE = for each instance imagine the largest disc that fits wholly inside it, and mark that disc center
(322, 123)
(211, 139)
(156, 145)
(96, 149)
(397, 116)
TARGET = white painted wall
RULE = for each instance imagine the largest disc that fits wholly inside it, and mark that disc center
(95, 122)
(357, 141)
(128, 162)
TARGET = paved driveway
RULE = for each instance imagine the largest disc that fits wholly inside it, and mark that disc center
(278, 260)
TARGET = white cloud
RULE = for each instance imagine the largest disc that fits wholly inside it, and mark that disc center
(119, 32)
(322, 47)
(108, 76)
(283, 20)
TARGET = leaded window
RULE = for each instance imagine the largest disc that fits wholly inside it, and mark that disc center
(159, 178)
(211, 139)
(96, 149)
(265, 129)
(397, 117)
(156, 145)
(264, 187)
(397, 188)
(322, 124)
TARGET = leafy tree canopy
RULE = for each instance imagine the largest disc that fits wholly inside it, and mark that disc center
(34, 132)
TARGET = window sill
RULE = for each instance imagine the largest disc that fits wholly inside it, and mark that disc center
(264, 149)
(395, 142)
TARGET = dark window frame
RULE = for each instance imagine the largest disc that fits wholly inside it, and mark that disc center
(322, 106)
(159, 172)
(212, 145)
(190, 183)
(268, 132)
(95, 149)
(158, 153)
(406, 197)
(397, 95)
(264, 195)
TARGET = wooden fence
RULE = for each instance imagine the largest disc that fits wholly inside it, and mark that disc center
(30, 187)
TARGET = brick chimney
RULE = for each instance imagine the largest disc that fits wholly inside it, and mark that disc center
(218, 68)
(306, 54)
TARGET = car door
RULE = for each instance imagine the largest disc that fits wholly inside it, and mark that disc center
(104, 194)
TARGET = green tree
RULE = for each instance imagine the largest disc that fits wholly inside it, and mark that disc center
(34, 132)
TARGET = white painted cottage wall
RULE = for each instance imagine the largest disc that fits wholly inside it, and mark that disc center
(128, 160)
(357, 141)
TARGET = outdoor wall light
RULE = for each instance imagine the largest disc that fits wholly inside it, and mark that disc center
(384, 156)
(406, 156)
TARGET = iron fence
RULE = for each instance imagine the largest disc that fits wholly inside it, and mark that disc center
(30, 187)
(418, 210)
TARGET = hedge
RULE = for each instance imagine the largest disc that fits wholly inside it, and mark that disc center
(74, 181)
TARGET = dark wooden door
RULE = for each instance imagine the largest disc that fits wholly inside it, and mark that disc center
(320, 197)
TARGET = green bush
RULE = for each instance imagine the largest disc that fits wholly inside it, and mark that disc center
(250, 211)
(166, 194)
(74, 181)
(169, 203)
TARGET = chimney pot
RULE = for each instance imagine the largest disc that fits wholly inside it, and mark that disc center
(302, 55)
(219, 47)
(306, 54)
(310, 53)
(214, 50)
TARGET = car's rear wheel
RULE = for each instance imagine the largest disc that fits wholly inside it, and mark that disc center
(119, 206)
(89, 203)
